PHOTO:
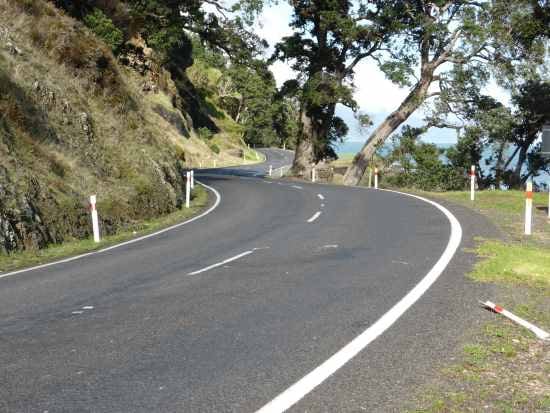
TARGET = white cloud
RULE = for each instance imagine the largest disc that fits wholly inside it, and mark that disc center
(373, 91)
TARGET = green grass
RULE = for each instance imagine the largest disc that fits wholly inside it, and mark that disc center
(507, 201)
(513, 264)
(70, 248)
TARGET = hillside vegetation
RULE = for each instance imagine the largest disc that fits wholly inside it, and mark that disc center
(78, 119)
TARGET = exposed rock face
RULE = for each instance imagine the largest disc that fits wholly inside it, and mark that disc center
(139, 58)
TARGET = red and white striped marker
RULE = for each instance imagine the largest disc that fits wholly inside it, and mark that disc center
(472, 182)
(543, 335)
(528, 207)
(375, 178)
(187, 189)
(95, 219)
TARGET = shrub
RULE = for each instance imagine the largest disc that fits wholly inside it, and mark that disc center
(104, 28)
(215, 148)
(205, 133)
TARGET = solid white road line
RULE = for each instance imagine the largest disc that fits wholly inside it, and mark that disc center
(314, 217)
(321, 197)
(219, 264)
(310, 381)
(77, 257)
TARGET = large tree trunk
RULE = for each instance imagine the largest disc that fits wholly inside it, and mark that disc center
(304, 157)
(415, 98)
(313, 131)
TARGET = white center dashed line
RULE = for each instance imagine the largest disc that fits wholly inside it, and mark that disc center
(321, 197)
(219, 264)
(314, 217)
(297, 187)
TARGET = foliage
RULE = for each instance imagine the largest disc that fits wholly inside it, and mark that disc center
(414, 164)
(330, 38)
(103, 27)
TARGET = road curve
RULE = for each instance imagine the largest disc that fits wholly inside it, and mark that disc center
(227, 312)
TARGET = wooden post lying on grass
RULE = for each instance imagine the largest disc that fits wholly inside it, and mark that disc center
(95, 218)
(375, 178)
(187, 189)
(472, 182)
(528, 207)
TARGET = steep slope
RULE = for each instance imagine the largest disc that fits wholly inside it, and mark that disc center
(74, 121)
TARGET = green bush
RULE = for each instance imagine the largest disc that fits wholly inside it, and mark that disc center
(205, 133)
(104, 27)
(215, 148)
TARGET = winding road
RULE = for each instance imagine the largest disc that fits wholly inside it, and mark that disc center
(233, 311)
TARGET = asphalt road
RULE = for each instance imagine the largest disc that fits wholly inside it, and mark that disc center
(164, 325)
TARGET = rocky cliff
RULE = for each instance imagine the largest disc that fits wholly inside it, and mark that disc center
(75, 121)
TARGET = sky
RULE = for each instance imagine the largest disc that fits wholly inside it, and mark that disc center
(375, 95)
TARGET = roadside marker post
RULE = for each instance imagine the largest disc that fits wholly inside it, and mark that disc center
(187, 189)
(270, 170)
(215, 163)
(313, 175)
(543, 335)
(375, 178)
(528, 208)
(472, 182)
(192, 179)
(95, 219)
(548, 200)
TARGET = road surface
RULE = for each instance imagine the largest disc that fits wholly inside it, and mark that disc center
(227, 312)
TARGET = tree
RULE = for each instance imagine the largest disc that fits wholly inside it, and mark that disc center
(434, 35)
(330, 38)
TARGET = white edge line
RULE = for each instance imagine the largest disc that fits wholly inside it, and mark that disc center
(219, 264)
(310, 381)
(321, 197)
(314, 217)
(77, 257)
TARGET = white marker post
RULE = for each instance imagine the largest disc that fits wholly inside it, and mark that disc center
(270, 170)
(95, 219)
(472, 182)
(215, 163)
(528, 207)
(375, 178)
(192, 179)
(187, 189)
(548, 200)
(200, 164)
(313, 175)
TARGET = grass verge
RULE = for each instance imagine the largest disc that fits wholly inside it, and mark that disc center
(503, 367)
(70, 248)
